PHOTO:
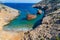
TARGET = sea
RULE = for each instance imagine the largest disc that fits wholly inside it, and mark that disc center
(21, 23)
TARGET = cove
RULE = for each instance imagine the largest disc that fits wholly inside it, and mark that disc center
(21, 23)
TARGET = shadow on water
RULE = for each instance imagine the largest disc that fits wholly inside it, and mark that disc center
(39, 21)
(24, 19)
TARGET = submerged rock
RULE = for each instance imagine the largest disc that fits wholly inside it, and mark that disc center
(30, 17)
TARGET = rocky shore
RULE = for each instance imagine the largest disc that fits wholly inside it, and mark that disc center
(48, 30)
(50, 27)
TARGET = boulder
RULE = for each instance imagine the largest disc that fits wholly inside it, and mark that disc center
(39, 11)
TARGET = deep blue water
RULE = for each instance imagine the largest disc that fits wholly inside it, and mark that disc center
(24, 8)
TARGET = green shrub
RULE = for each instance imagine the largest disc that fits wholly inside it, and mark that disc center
(57, 38)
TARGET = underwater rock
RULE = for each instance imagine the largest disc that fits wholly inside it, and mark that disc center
(30, 17)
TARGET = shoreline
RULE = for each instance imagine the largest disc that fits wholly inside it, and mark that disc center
(6, 15)
(17, 29)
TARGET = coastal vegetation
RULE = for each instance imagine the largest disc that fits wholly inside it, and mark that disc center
(57, 38)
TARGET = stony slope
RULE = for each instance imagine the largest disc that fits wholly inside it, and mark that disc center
(50, 27)
(48, 30)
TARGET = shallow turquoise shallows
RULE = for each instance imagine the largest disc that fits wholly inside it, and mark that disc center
(21, 23)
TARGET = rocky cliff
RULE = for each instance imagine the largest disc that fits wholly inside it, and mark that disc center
(51, 5)
(50, 27)
(48, 30)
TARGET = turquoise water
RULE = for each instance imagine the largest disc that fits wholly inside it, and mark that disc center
(21, 23)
